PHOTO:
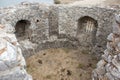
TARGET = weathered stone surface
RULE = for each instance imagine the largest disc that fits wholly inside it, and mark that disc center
(111, 56)
(12, 62)
(110, 37)
(54, 22)
(56, 26)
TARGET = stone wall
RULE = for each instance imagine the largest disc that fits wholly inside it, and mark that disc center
(12, 62)
(68, 22)
(54, 26)
(70, 26)
(108, 68)
(36, 14)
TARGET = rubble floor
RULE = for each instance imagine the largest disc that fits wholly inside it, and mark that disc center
(61, 64)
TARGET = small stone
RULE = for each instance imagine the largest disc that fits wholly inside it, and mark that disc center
(116, 64)
(100, 71)
(107, 67)
(117, 17)
(116, 28)
(109, 58)
(101, 63)
(95, 75)
(110, 77)
(119, 56)
(110, 46)
(117, 40)
(115, 73)
(118, 46)
(110, 37)
(105, 57)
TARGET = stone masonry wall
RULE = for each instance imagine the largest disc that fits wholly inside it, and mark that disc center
(68, 22)
(36, 14)
(108, 68)
(55, 26)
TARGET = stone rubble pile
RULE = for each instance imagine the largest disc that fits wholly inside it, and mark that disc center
(12, 62)
(109, 67)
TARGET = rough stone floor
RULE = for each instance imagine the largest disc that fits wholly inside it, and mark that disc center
(61, 64)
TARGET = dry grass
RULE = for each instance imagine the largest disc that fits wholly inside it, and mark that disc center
(61, 64)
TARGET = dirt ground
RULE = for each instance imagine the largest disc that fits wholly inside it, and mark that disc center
(61, 64)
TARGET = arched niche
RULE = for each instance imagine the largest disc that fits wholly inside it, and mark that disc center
(22, 29)
(86, 32)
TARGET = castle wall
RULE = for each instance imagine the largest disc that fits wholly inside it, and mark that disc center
(56, 26)
(68, 22)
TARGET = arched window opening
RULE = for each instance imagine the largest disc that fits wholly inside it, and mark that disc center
(87, 24)
(21, 28)
(87, 28)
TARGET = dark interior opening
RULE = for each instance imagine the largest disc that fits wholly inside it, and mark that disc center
(37, 20)
(87, 28)
(21, 28)
(87, 23)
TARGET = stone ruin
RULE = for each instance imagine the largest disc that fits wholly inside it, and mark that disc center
(108, 68)
(40, 26)
(12, 62)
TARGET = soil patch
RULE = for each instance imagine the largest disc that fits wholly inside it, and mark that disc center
(61, 64)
